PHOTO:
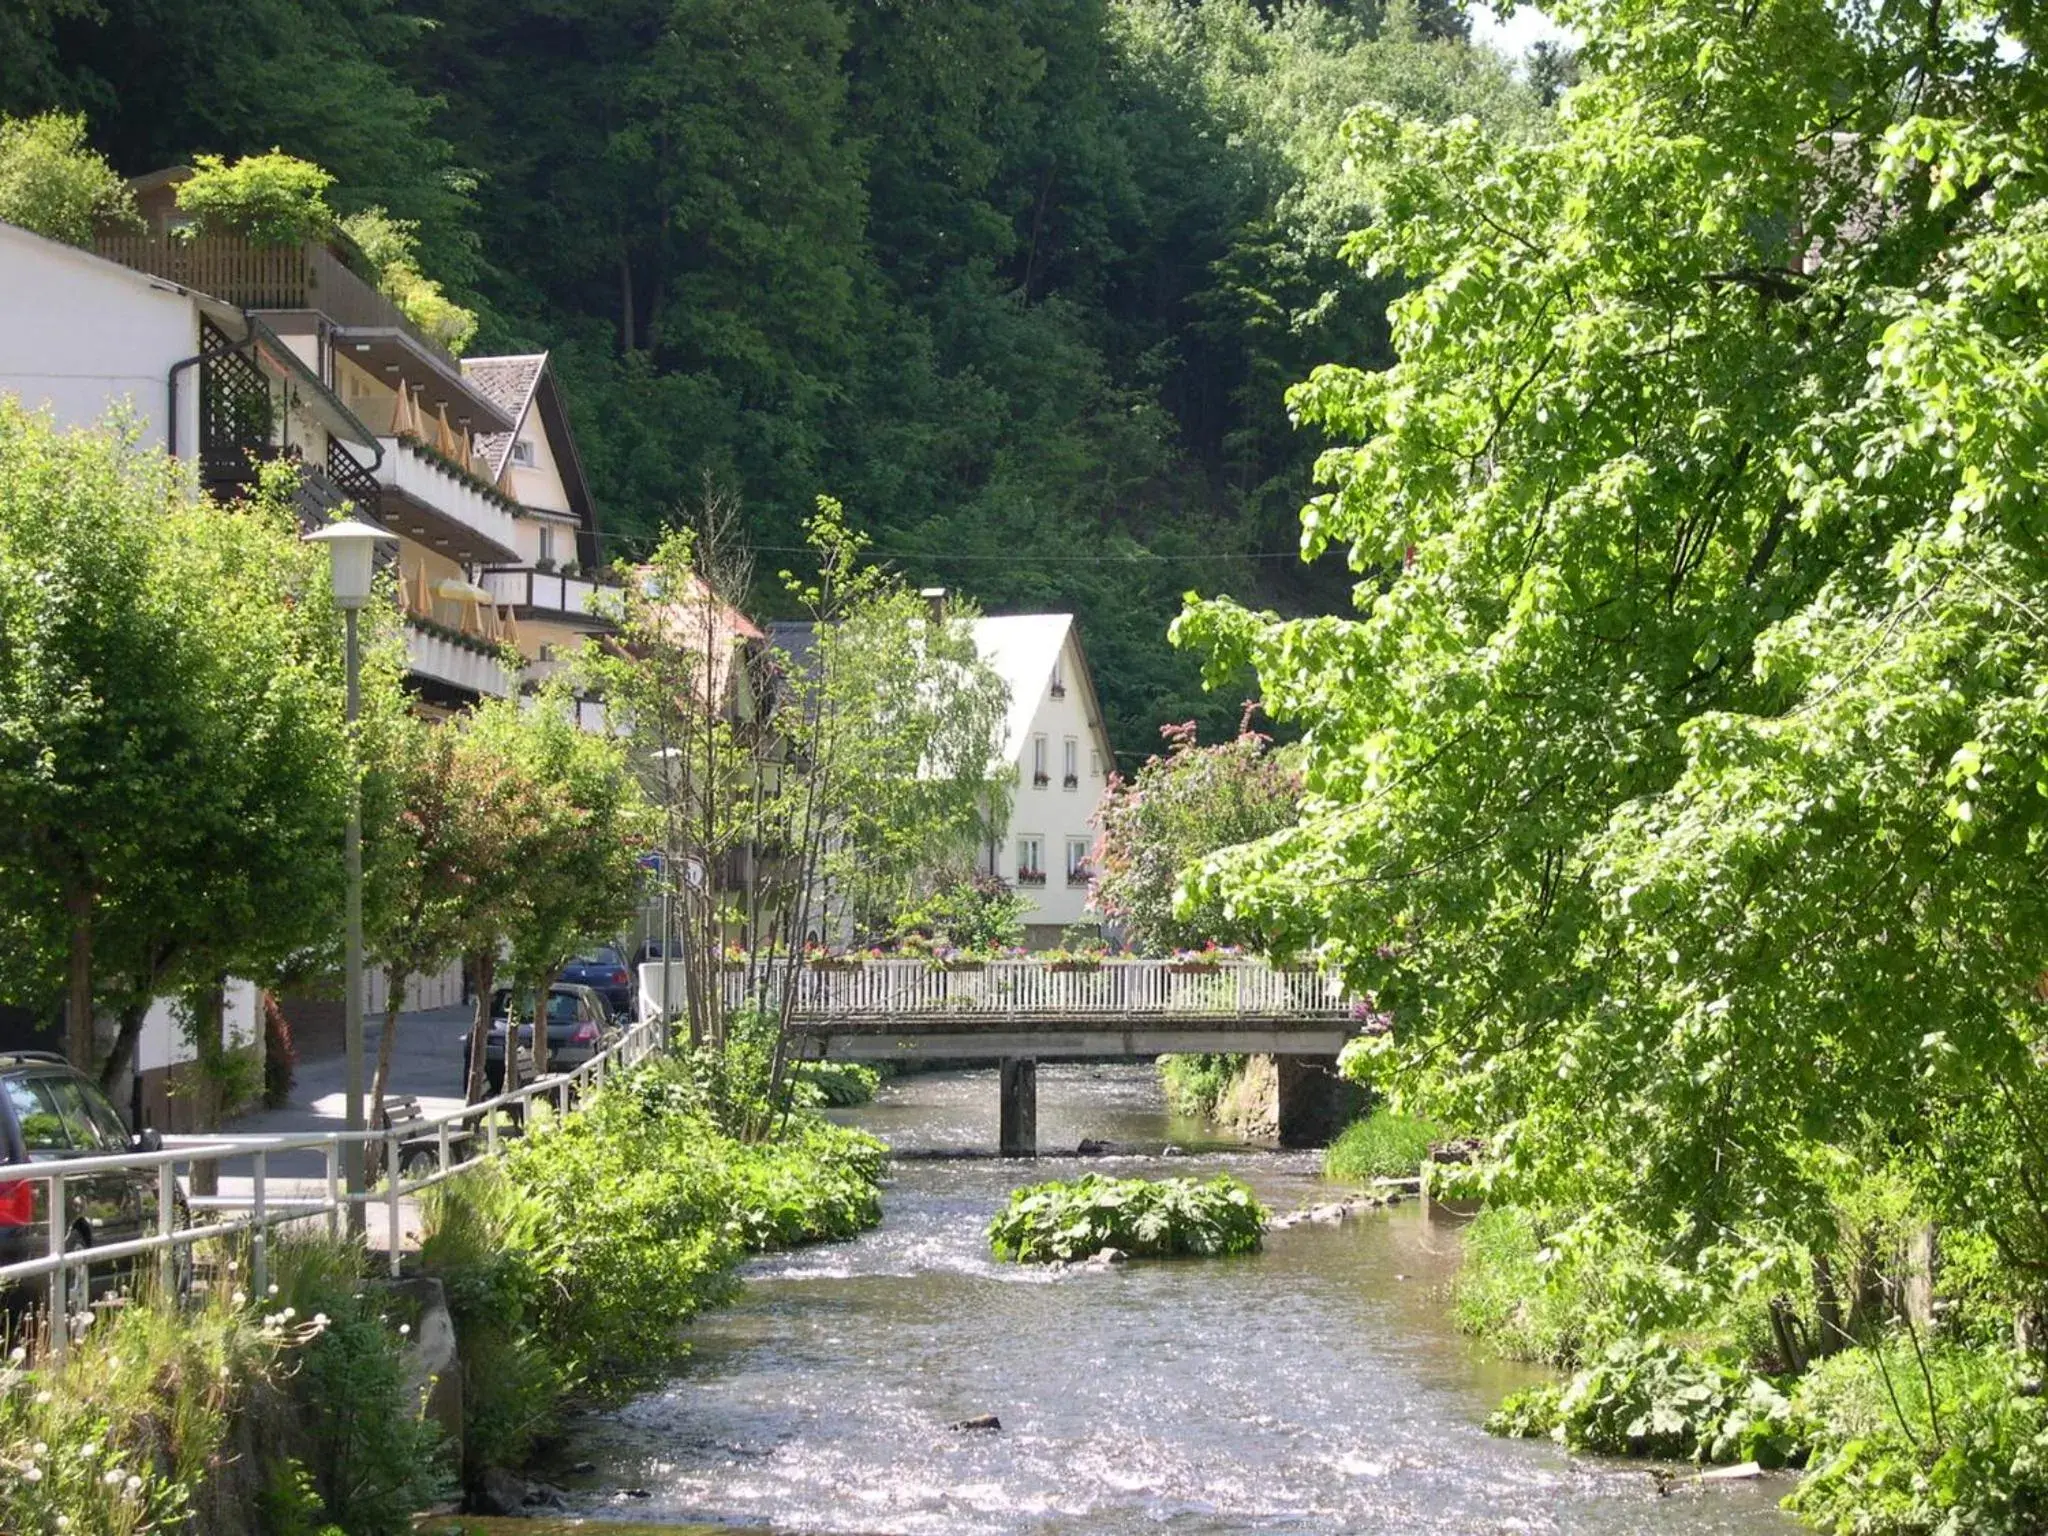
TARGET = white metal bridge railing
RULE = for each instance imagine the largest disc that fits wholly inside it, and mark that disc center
(460, 1140)
(910, 987)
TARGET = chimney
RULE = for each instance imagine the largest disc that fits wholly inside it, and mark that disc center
(934, 603)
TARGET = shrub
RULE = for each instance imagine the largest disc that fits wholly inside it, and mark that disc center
(1145, 1218)
(1384, 1145)
(392, 246)
(634, 1208)
(1649, 1398)
(370, 1456)
(1913, 1442)
(280, 1055)
(1195, 1084)
(53, 182)
(832, 1084)
(273, 199)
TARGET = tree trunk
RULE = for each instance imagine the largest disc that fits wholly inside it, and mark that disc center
(394, 987)
(78, 1044)
(482, 968)
(540, 1023)
(206, 1008)
(122, 1055)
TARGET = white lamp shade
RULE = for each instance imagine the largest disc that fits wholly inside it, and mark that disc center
(351, 547)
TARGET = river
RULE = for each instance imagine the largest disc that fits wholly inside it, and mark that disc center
(1313, 1388)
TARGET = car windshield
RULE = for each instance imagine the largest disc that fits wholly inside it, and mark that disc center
(601, 956)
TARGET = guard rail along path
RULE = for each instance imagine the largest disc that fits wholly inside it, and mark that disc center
(460, 1140)
(1017, 1011)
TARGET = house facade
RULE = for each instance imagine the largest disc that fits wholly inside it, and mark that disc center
(1057, 746)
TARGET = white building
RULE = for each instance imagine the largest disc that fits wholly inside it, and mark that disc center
(1056, 743)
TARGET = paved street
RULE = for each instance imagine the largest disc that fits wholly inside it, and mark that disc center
(427, 1062)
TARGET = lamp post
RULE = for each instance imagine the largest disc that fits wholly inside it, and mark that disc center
(667, 757)
(351, 549)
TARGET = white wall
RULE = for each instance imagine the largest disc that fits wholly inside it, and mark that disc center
(163, 1042)
(80, 336)
(1054, 813)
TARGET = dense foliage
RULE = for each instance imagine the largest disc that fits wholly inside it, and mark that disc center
(1171, 814)
(1677, 785)
(1020, 282)
(53, 182)
(1143, 1218)
(634, 1207)
(286, 1414)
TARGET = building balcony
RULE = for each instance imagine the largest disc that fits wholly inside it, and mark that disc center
(443, 507)
(553, 598)
(452, 667)
(313, 281)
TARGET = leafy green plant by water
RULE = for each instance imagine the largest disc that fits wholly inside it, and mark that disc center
(1145, 1218)
(1195, 1083)
(572, 1265)
(832, 1084)
(1649, 1398)
(1383, 1145)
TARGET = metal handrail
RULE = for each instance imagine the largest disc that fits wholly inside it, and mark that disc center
(262, 1212)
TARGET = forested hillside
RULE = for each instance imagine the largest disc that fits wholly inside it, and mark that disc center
(1022, 281)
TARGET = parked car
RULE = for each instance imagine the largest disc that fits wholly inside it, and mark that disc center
(605, 971)
(579, 1026)
(51, 1113)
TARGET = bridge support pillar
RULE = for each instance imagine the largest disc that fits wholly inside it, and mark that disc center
(1018, 1135)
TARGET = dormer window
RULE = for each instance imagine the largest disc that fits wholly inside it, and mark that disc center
(1059, 679)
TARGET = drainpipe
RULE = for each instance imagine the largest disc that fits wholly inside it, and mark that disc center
(171, 414)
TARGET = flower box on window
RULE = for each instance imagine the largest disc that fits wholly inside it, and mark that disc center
(1080, 874)
(1031, 877)
(1071, 781)
(1040, 780)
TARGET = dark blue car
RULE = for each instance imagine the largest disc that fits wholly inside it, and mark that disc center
(605, 972)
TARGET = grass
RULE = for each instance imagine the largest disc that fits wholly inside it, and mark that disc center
(1383, 1145)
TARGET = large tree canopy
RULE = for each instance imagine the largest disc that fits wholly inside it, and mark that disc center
(1679, 784)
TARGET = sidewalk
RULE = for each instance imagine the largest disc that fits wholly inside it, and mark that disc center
(426, 1062)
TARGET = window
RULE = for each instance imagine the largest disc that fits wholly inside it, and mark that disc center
(1094, 764)
(522, 452)
(1031, 861)
(1059, 679)
(1072, 777)
(42, 1127)
(1078, 870)
(1039, 777)
(547, 544)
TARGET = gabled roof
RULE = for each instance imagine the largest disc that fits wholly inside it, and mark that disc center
(1023, 649)
(521, 384)
(508, 382)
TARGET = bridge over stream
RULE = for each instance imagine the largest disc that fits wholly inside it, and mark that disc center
(1016, 1012)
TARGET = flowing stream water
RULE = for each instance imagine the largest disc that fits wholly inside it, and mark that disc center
(1316, 1387)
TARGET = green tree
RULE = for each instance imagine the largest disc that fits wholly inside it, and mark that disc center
(274, 199)
(52, 182)
(579, 877)
(1676, 784)
(175, 772)
(1175, 812)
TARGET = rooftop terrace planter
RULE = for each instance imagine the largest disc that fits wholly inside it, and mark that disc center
(1074, 966)
(836, 962)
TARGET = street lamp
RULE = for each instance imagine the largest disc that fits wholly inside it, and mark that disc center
(352, 549)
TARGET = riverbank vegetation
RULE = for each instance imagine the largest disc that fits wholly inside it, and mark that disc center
(1675, 791)
(573, 1264)
(1141, 1218)
(1383, 1145)
(274, 1415)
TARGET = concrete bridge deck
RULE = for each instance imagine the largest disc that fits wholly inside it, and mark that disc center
(1018, 1010)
